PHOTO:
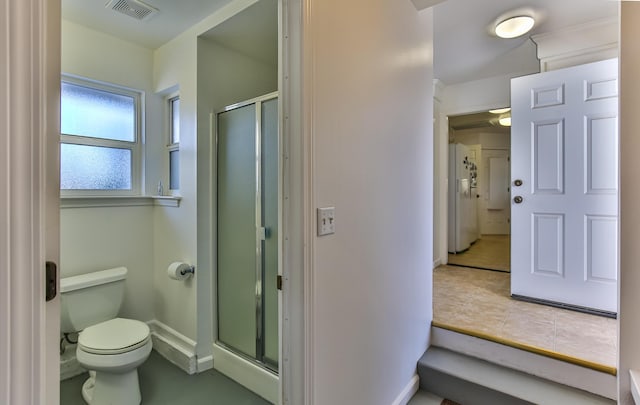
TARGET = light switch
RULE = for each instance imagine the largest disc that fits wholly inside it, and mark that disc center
(326, 221)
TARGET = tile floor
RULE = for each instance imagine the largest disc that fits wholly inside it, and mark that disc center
(479, 300)
(488, 252)
(162, 383)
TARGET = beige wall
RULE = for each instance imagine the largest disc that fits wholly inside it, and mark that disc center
(369, 69)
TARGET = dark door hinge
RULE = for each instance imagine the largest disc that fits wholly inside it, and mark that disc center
(51, 281)
(279, 282)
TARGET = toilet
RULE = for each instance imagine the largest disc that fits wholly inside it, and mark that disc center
(111, 348)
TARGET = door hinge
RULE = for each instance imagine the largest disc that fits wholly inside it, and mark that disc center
(51, 281)
(279, 282)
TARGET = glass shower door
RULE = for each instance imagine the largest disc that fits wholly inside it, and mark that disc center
(247, 234)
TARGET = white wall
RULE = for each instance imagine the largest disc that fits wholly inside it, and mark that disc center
(99, 238)
(93, 239)
(185, 230)
(629, 282)
(370, 103)
(477, 95)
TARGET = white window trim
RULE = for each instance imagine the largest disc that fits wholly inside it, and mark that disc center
(171, 146)
(136, 147)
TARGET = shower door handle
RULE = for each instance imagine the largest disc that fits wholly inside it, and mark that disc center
(264, 233)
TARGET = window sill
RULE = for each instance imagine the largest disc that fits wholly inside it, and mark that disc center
(119, 201)
(166, 200)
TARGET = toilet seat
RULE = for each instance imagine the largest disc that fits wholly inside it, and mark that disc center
(115, 336)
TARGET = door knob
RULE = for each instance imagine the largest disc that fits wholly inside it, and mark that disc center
(517, 183)
(517, 199)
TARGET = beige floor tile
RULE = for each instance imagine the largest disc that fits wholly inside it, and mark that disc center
(534, 332)
(479, 300)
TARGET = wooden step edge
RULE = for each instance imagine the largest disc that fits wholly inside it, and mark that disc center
(530, 348)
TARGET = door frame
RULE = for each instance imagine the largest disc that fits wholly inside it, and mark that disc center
(441, 160)
(29, 234)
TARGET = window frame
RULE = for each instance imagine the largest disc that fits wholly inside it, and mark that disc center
(136, 146)
(170, 145)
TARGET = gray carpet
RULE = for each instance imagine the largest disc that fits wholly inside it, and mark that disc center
(163, 383)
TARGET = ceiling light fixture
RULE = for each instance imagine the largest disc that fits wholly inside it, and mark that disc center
(500, 110)
(505, 121)
(515, 26)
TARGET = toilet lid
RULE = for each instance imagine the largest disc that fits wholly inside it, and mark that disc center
(117, 335)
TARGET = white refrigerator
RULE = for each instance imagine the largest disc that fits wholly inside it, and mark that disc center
(462, 218)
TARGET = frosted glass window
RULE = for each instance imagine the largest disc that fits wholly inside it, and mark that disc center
(100, 151)
(174, 170)
(97, 113)
(85, 167)
(174, 104)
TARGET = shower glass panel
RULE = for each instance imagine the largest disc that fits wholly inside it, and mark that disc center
(237, 229)
(247, 234)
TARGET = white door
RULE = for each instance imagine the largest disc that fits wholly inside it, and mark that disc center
(564, 150)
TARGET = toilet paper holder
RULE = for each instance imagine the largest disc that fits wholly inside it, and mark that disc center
(181, 271)
(189, 270)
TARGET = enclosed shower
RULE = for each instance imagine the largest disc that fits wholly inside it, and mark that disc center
(247, 230)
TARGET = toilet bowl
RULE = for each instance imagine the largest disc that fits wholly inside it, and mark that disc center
(113, 350)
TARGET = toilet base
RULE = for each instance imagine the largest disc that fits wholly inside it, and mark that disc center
(102, 388)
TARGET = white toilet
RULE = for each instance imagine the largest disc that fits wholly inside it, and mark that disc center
(111, 348)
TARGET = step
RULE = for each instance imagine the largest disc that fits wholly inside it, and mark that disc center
(473, 381)
(425, 398)
(601, 381)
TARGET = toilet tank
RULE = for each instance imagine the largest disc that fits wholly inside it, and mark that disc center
(90, 298)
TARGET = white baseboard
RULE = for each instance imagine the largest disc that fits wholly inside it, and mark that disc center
(247, 374)
(69, 366)
(174, 346)
(408, 391)
(437, 263)
(205, 363)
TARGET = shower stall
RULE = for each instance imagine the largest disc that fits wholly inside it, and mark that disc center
(247, 230)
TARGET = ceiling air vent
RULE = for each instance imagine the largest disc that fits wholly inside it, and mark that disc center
(132, 8)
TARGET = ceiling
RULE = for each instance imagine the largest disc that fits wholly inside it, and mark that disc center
(464, 48)
(175, 17)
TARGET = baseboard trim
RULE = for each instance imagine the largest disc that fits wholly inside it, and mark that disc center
(408, 391)
(69, 366)
(247, 374)
(437, 263)
(175, 347)
(205, 363)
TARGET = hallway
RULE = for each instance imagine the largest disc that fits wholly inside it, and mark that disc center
(488, 252)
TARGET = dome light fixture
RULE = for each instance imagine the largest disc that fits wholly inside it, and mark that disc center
(500, 110)
(515, 26)
(505, 121)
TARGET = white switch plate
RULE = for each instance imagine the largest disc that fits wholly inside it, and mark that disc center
(326, 221)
